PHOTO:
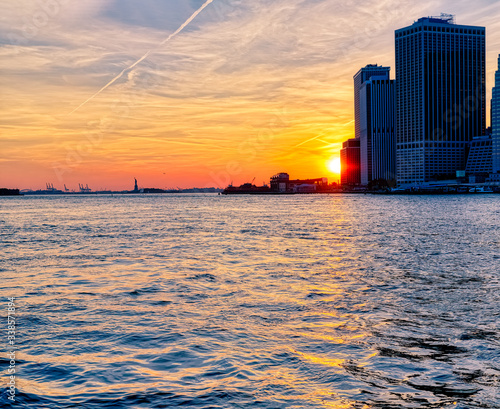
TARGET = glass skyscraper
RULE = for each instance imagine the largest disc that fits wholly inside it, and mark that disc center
(377, 133)
(440, 97)
(495, 121)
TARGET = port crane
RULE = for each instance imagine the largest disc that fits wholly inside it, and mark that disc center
(84, 189)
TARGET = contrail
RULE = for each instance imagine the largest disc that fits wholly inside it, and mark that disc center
(146, 55)
(309, 140)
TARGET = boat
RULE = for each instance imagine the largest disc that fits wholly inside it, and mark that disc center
(482, 189)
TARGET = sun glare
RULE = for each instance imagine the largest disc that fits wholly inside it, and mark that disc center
(334, 165)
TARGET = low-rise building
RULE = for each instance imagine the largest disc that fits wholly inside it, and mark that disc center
(281, 183)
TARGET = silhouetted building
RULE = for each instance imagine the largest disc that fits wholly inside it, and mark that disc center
(281, 183)
(9, 192)
(440, 96)
(349, 163)
(363, 75)
(495, 121)
(377, 129)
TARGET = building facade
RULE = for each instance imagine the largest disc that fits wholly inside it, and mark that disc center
(350, 174)
(495, 121)
(479, 160)
(377, 130)
(363, 75)
(440, 97)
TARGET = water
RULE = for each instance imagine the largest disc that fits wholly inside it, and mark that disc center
(205, 301)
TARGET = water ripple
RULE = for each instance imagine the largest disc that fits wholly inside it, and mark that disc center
(202, 301)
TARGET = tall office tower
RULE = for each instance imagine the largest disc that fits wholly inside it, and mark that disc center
(377, 129)
(349, 163)
(364, 74)
(440, 97)
(495, 121)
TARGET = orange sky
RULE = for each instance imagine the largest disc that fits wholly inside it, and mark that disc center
(244, 91)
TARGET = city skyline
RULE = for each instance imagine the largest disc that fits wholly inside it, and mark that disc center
(243, 91)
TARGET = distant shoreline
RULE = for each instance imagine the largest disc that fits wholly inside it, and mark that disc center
(260, 193)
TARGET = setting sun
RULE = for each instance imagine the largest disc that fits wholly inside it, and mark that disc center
(334, 165)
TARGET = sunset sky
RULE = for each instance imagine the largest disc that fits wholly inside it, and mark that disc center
(246, 90)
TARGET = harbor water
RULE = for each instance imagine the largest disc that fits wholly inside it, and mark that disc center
(206, 301)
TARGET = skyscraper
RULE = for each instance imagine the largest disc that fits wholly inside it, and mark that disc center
(495, 121)
(377, 129)
(364, 74)
(440, 96)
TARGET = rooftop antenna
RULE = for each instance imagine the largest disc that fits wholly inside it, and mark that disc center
(449, 18)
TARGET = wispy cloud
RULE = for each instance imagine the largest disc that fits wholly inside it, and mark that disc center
(206, 99)
(146, 55)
